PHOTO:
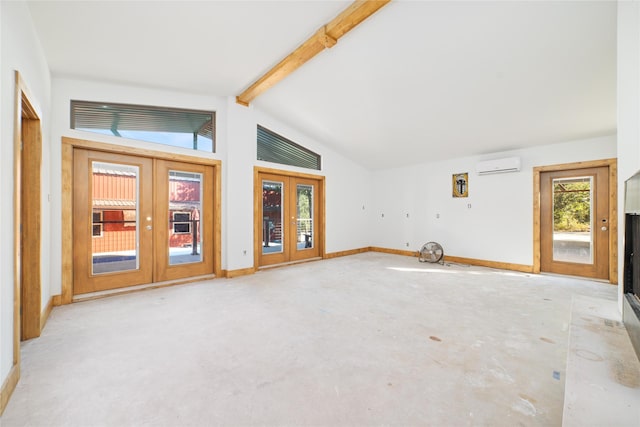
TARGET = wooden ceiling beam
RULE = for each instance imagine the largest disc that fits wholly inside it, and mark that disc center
(326, 37)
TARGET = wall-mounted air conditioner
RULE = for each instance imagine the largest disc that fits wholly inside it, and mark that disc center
(509, 164)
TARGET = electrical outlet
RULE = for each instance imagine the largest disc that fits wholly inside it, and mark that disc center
(407, 244)
(437, 216)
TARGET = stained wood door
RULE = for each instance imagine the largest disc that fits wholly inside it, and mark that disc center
(138, 220)
(184, 220)
(112, 221)
(303, 215)
(574, 222)
(289, 214)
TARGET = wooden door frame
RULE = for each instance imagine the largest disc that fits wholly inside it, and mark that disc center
(27, 215)
(69, 144)
(25, 138)
(257, 208)
(612, 165)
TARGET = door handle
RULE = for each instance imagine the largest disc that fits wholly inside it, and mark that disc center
(149, 227)
(604, 228)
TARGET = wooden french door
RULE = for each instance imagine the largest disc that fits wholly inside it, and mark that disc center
(289, 214)
(574, 222)
(184, 215)
(139, 220)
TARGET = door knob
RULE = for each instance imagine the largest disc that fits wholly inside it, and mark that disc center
(149, 227)
(603, 228)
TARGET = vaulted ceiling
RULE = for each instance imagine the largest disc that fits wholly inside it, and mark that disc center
(417, 81)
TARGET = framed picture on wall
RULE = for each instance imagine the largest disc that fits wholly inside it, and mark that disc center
(460, 183)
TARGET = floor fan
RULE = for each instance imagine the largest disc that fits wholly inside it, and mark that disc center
(431, 252)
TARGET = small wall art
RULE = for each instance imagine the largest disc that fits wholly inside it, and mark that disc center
(460, 184)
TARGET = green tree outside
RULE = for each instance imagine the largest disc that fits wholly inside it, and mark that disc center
(572, 206)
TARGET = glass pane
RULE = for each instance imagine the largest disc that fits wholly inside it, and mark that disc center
(170, 126)
(572, 214)
(275, 148)
(305, 216)
(271, 217)
(114, 241)
(185, 228)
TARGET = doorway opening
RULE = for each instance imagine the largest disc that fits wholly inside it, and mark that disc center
(288, 217)
(575, 224)
(27, 215)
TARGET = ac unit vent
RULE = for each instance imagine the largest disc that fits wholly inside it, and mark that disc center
(509, 164)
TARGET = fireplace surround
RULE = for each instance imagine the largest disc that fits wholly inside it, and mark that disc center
(631, 278)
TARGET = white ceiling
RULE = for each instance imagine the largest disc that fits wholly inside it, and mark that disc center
(418, 81)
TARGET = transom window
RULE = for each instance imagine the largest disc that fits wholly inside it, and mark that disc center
(278, 149)
(170, 126)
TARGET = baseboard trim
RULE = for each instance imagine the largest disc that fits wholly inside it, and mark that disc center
(230, 274)
(393, 251)
(461, 260)
(491, 264)
(287, 264)
(346, 253)
(57, 300)
(8, 386)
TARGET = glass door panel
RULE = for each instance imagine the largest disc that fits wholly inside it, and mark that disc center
(304, 212)
(115, 231)
(185, 227)
(273, 224)
(272, 215)
(304, 221)
(572, 220)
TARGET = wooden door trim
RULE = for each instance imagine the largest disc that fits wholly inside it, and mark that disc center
(68, 145)
(257, 207)
(140, 152)
(612, 165)
(26, 108)
(27, 162)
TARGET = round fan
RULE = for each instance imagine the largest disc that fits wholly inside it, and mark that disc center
(431, 252)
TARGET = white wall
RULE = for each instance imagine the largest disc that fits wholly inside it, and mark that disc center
(20, 50)
(347, 189)
(64, 90)
(347, 183)
(499, 224)
(628, 107)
